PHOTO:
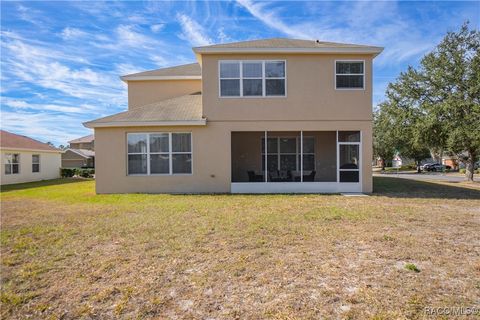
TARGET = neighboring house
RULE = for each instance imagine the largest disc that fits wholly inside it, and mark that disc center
(398, 160)
(25, 159)
(86, 143)
(274, 115)
(451, 160)
(80, 153)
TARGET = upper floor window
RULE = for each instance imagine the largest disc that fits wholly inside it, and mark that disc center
(159, 153)
(12, 163)
(349, 75)
(251, 78)
(35, 163)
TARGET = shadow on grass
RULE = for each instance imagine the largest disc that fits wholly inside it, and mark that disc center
(42, 183)
(406, 188)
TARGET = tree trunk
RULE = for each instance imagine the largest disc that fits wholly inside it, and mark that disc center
(418, 167)
(469, 165)
(436, 154)
(383, 164)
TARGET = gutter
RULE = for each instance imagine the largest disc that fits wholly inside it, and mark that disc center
(347, 50)
(146, 78)
(117, 124)
(30, 150)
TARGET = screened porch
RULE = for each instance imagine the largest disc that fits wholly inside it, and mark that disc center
(296, 161)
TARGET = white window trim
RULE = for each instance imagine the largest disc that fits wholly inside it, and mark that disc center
(298, 152)
(348, 74)
(11, 163)
(170, 153)
(264, 78)
(359, 144)
(39, 165)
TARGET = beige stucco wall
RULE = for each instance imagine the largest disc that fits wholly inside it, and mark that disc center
(83, 145)
(211, 155)
(72, 160)
(311, 93)
(141, 93)
(49, 167)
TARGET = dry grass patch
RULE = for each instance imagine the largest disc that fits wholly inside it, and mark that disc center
(68, 253)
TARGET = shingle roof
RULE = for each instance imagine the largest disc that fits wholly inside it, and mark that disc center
(181, 109)
(288, 45)
(82, 152)
(85, 139)
(10, 140)
(186, 70)
(283, 43)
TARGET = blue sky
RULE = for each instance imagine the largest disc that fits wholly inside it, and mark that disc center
(60, 61)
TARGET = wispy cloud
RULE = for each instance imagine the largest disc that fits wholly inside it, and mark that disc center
(127, 35)
(44, 67)
(156, 28)
(58, 128)
(192, 31)
(269, 17)
(30, 15)
(22, 104)
(363, 22)
(60, 58)
(70, 33)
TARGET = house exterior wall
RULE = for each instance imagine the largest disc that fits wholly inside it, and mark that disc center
(211, 153)
(141, 93)
(83, 145)
(72, 160)
(310, 91)
(49, 167)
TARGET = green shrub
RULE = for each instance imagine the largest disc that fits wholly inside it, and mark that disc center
(67, 172)
(411, 267)
(85, 172)
(80, 172)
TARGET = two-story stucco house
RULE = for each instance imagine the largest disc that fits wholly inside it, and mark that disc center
(264, 116)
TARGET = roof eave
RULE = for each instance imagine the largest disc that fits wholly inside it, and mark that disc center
(78, 153)
(30, 149)
(347, 50)
(147, 78)
(171, 123)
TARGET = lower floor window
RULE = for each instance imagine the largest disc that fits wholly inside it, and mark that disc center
(159, 153)
(12, 163)
(35, 163)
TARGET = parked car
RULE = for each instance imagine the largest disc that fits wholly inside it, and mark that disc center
(434, 167)
(426, 166)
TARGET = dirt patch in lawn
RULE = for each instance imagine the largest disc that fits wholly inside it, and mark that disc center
(67, 253)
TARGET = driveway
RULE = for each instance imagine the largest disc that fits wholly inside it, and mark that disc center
(437, 176)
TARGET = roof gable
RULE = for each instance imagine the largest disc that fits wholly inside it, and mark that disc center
(190, 71)
(86, 139)
(10, 140)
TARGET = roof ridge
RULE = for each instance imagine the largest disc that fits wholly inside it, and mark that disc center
(159, 69)
(288, 45)
(87, 136)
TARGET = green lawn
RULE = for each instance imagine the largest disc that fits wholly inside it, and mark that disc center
(69, 253)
